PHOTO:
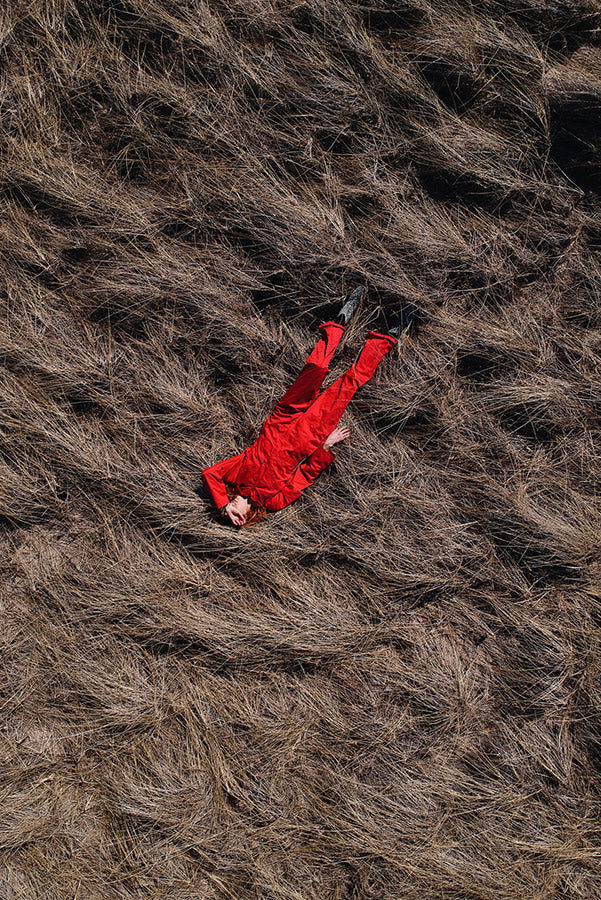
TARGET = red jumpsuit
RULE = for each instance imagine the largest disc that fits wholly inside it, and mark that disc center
(288, 454)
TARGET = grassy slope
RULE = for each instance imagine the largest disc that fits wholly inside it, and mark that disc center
(391, 688)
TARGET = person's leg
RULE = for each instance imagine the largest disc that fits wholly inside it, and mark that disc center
(325, 412)
(306, 387)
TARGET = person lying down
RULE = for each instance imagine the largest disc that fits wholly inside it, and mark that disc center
(295, 443)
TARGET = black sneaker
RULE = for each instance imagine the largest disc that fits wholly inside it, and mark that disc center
(353, 302)
(404, 319)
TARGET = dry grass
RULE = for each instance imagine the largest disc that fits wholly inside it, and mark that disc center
(390, 689)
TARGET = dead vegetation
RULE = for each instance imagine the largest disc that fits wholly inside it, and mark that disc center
(391, 688)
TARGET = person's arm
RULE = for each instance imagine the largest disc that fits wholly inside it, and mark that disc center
(304, 475)
(213, 479)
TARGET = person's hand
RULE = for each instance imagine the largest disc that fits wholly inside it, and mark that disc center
(236, 511)
(233, 515)
(340, 433)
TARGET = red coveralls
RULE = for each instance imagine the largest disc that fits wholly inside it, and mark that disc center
(288, 454)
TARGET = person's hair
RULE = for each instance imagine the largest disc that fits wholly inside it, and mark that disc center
(256, 512)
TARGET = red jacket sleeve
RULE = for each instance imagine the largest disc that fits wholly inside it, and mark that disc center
(213, 479)
(304, 475)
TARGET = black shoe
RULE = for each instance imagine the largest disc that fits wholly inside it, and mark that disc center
(354, 300)
(404, 319)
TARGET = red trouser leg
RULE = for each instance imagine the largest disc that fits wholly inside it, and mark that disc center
(305, 388)
(325, 412)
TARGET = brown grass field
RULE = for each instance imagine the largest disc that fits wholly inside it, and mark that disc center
(390, 690)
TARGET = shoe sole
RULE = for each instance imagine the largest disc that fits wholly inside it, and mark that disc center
(348, 330)
(409, 313)
(361, 293)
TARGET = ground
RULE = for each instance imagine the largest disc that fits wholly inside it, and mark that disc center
(389, 689)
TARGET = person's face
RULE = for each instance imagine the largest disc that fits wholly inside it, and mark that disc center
(240, 507)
